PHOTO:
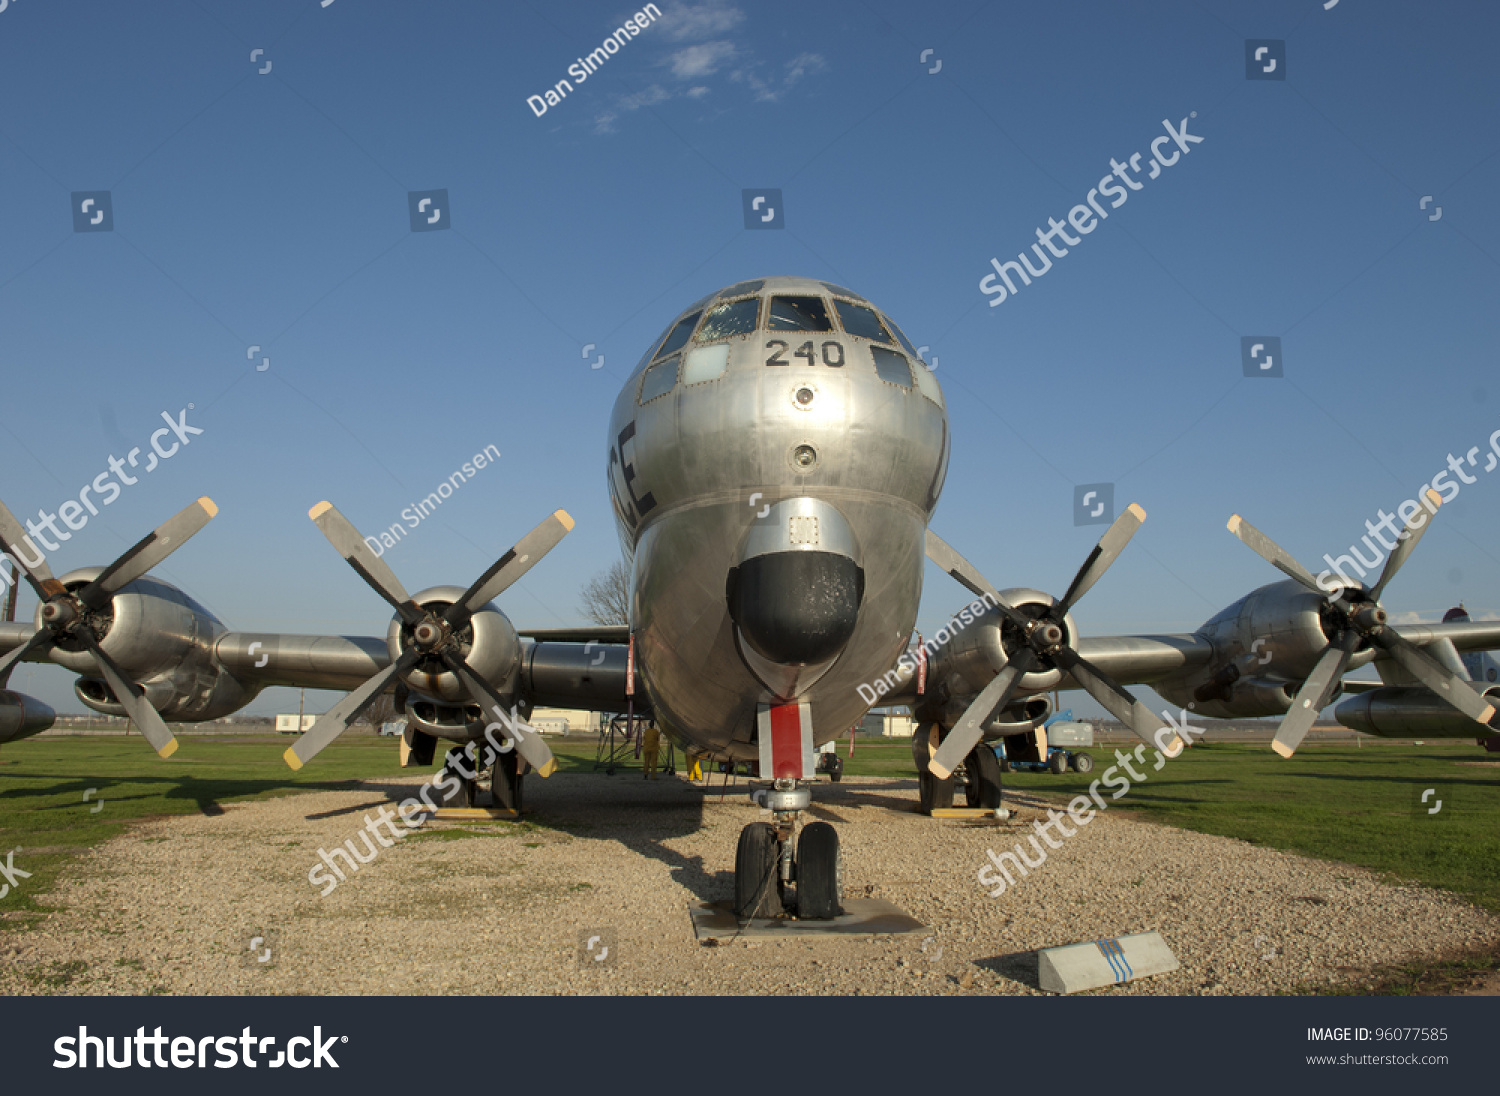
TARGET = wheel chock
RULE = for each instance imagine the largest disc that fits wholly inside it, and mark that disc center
(1076, 967)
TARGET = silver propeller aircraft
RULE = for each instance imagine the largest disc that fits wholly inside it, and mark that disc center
(774, 461)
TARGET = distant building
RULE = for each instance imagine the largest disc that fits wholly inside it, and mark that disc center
(288, 724)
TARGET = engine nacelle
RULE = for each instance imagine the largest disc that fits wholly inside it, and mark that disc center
(22, 716)
(1398, 712)
(490, 647)
(972, 654)
(161, 638)
(1271, 636)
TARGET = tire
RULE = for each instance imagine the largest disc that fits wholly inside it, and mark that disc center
(983, 786)
(818, 872)
(837, 772)
(934, 794)
(756, 860)
(506, 782)
(1058, 763)
(1083, 763)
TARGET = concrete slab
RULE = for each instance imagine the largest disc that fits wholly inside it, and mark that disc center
(1077, 967)
(861, 917)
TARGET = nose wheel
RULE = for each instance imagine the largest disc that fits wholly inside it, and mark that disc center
(779, 870)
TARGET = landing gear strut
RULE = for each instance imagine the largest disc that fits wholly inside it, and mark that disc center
(766, 867)
(979, 775)
(462, 765)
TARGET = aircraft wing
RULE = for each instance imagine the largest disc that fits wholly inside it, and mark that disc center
(1480, 635)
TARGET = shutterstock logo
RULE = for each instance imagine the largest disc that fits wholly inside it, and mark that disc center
(73, 1052)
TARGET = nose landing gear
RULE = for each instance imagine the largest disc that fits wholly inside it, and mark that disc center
(766, 867)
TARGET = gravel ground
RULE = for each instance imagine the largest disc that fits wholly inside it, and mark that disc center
(172, 906)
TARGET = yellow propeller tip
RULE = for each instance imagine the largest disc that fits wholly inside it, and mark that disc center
(291, 758)
(319, 510)
(1135, 508)
(1234, 523)
(168, 750)
(209, 506)
(549, 768)
(1488, 714)
(566, 519)
(1434, 498)
(1283, 750)
(937, 770)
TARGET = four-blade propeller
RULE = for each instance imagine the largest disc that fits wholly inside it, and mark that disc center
(1040, 642)
(1358, 623)
(428, 636)
(77, 620)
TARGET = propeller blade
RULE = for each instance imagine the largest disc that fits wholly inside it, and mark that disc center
(528, 551)
(1104, 554)
(1422, 666)
(39, 640)
(132, 698)
(1314, 695)
(528, 744)
(39, 576)
(336, 720)
(969, 730)
(1119, 703)
(147, 552)
(342, 534)
(1273, 553)
(1406, 545)
(968, 576)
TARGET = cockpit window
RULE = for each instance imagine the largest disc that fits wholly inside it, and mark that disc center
(735, 318)
(903, 340)
(739, 289)
(679, 335)
(890, 365)
(841, 291)
(799, 314)
(659, 380)
(862, 321)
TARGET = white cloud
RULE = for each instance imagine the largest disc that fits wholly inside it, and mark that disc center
(707, 53)
(689, 22)
(703, 59)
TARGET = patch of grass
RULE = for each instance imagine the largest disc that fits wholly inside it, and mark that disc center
(57, 975)
(1441, 978)
(1334, 802)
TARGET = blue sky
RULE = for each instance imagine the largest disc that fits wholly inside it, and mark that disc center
(270, 209)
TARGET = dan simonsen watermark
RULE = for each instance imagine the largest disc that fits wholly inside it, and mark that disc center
(911, 659)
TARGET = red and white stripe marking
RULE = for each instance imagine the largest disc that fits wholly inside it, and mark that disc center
(786, 742)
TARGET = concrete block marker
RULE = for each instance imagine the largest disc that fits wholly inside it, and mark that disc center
(1077, 967)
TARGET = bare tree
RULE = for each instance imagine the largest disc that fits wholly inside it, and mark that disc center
(383, 710)
(606, 596)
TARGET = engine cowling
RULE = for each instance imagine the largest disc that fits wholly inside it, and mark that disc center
(439, 703)
(163, 639)
(972, 654)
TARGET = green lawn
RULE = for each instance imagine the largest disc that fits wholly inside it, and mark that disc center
(1359, 806)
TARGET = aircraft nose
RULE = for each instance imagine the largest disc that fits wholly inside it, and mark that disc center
(797, 607)
(796, 593)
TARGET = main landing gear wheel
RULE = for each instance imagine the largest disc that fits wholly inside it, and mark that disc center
(454, 768)
(506, 781)
(935, 794)
(757, 876)
(818, 872)
(982, 788)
